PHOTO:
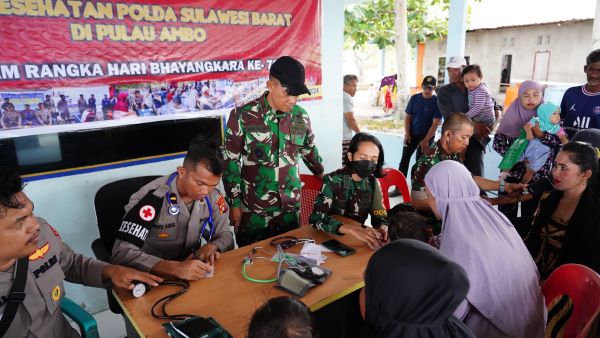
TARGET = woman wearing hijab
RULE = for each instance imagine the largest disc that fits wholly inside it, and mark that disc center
(544, 184)
(505, 299)
(566, 229)
(518, 113)
(411, 290)
(349, 195)
(121, 107)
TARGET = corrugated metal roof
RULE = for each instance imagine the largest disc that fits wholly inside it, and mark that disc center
(531, 24)
(489, 14)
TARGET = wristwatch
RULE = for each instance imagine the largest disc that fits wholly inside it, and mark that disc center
(501, 189)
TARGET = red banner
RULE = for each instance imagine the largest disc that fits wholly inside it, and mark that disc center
(65, 43)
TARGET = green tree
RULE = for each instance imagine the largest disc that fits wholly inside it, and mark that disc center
(398, 23)
(373, 22)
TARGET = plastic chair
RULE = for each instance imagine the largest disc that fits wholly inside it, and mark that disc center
(582, 285)
(86, 322)
(311, 187)
(393, 178)
(109, 202)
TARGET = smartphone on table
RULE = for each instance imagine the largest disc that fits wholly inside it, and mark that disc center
(338, 247)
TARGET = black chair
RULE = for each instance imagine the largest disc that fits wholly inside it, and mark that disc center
(109, 202)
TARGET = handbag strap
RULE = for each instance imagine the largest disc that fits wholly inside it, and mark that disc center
(16, 296)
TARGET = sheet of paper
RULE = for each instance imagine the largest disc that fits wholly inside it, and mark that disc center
(211, 273)
(314, 251)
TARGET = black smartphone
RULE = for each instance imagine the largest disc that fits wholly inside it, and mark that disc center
(338, 247)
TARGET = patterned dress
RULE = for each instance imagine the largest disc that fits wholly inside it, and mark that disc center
(503, 142)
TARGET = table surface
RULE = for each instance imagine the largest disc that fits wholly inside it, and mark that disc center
(231, 299)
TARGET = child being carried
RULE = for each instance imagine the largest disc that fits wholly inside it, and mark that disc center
(536, 153)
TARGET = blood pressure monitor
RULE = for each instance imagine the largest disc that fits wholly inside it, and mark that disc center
(139, 289)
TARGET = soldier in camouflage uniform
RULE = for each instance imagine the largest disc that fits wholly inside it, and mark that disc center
(353, 192)
(263, 142)
(456, 131)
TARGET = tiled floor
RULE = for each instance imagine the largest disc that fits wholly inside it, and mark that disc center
(110, 325)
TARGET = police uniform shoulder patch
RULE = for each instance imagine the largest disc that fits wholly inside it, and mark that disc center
(54, 231)
(39, 252)
(137, 223)
(221, 204)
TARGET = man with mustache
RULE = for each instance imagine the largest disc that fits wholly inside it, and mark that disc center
(34, 262)
(580, 106)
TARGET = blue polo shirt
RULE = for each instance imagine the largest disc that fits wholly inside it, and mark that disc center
(423, 111)
(579, 109)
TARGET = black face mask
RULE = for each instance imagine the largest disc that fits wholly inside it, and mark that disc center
(364, 168)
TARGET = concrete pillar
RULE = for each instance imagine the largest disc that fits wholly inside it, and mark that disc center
(596, 29)
(420, 56)
(457, 28)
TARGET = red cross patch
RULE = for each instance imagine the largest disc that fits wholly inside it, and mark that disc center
(222, 205)
(147, 213)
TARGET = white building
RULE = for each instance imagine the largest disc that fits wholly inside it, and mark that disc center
(551, 51)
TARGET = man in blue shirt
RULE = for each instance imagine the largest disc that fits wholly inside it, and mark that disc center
(106, 105)
(580, 106)
(420, 123)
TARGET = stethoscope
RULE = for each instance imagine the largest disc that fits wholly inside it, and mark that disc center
(174, 209)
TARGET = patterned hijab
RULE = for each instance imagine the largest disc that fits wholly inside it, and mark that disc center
(411, 290)
(516, 115)
(504, 278)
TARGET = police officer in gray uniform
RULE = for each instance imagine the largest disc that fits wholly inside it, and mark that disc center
(169, 218)
(34, 261)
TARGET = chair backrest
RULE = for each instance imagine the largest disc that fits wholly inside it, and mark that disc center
(582, 284)
(311, 187)
(393, 178)
(110, 201)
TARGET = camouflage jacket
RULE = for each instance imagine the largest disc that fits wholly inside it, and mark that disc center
(433, 156)
(262, 149)
(343, 196)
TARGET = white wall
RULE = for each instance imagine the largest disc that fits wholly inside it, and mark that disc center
(326, 114)
(569, 44)
(67, 202)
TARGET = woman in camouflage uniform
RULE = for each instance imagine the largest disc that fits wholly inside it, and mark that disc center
(352, 193)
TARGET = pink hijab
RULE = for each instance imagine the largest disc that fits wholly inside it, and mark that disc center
(121, 104)
(516, 115)
(504, 278)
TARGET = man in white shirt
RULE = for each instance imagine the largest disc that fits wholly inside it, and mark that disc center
(350, 85)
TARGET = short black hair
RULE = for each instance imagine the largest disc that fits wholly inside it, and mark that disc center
(283, 317)
(455, 121)
(594, 56)
(10, 185)
(409, 225)
(472, 69)
(349, 78)
(353, 147)
(204, 149)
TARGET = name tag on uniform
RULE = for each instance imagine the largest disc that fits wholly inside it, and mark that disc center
(261, 128)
